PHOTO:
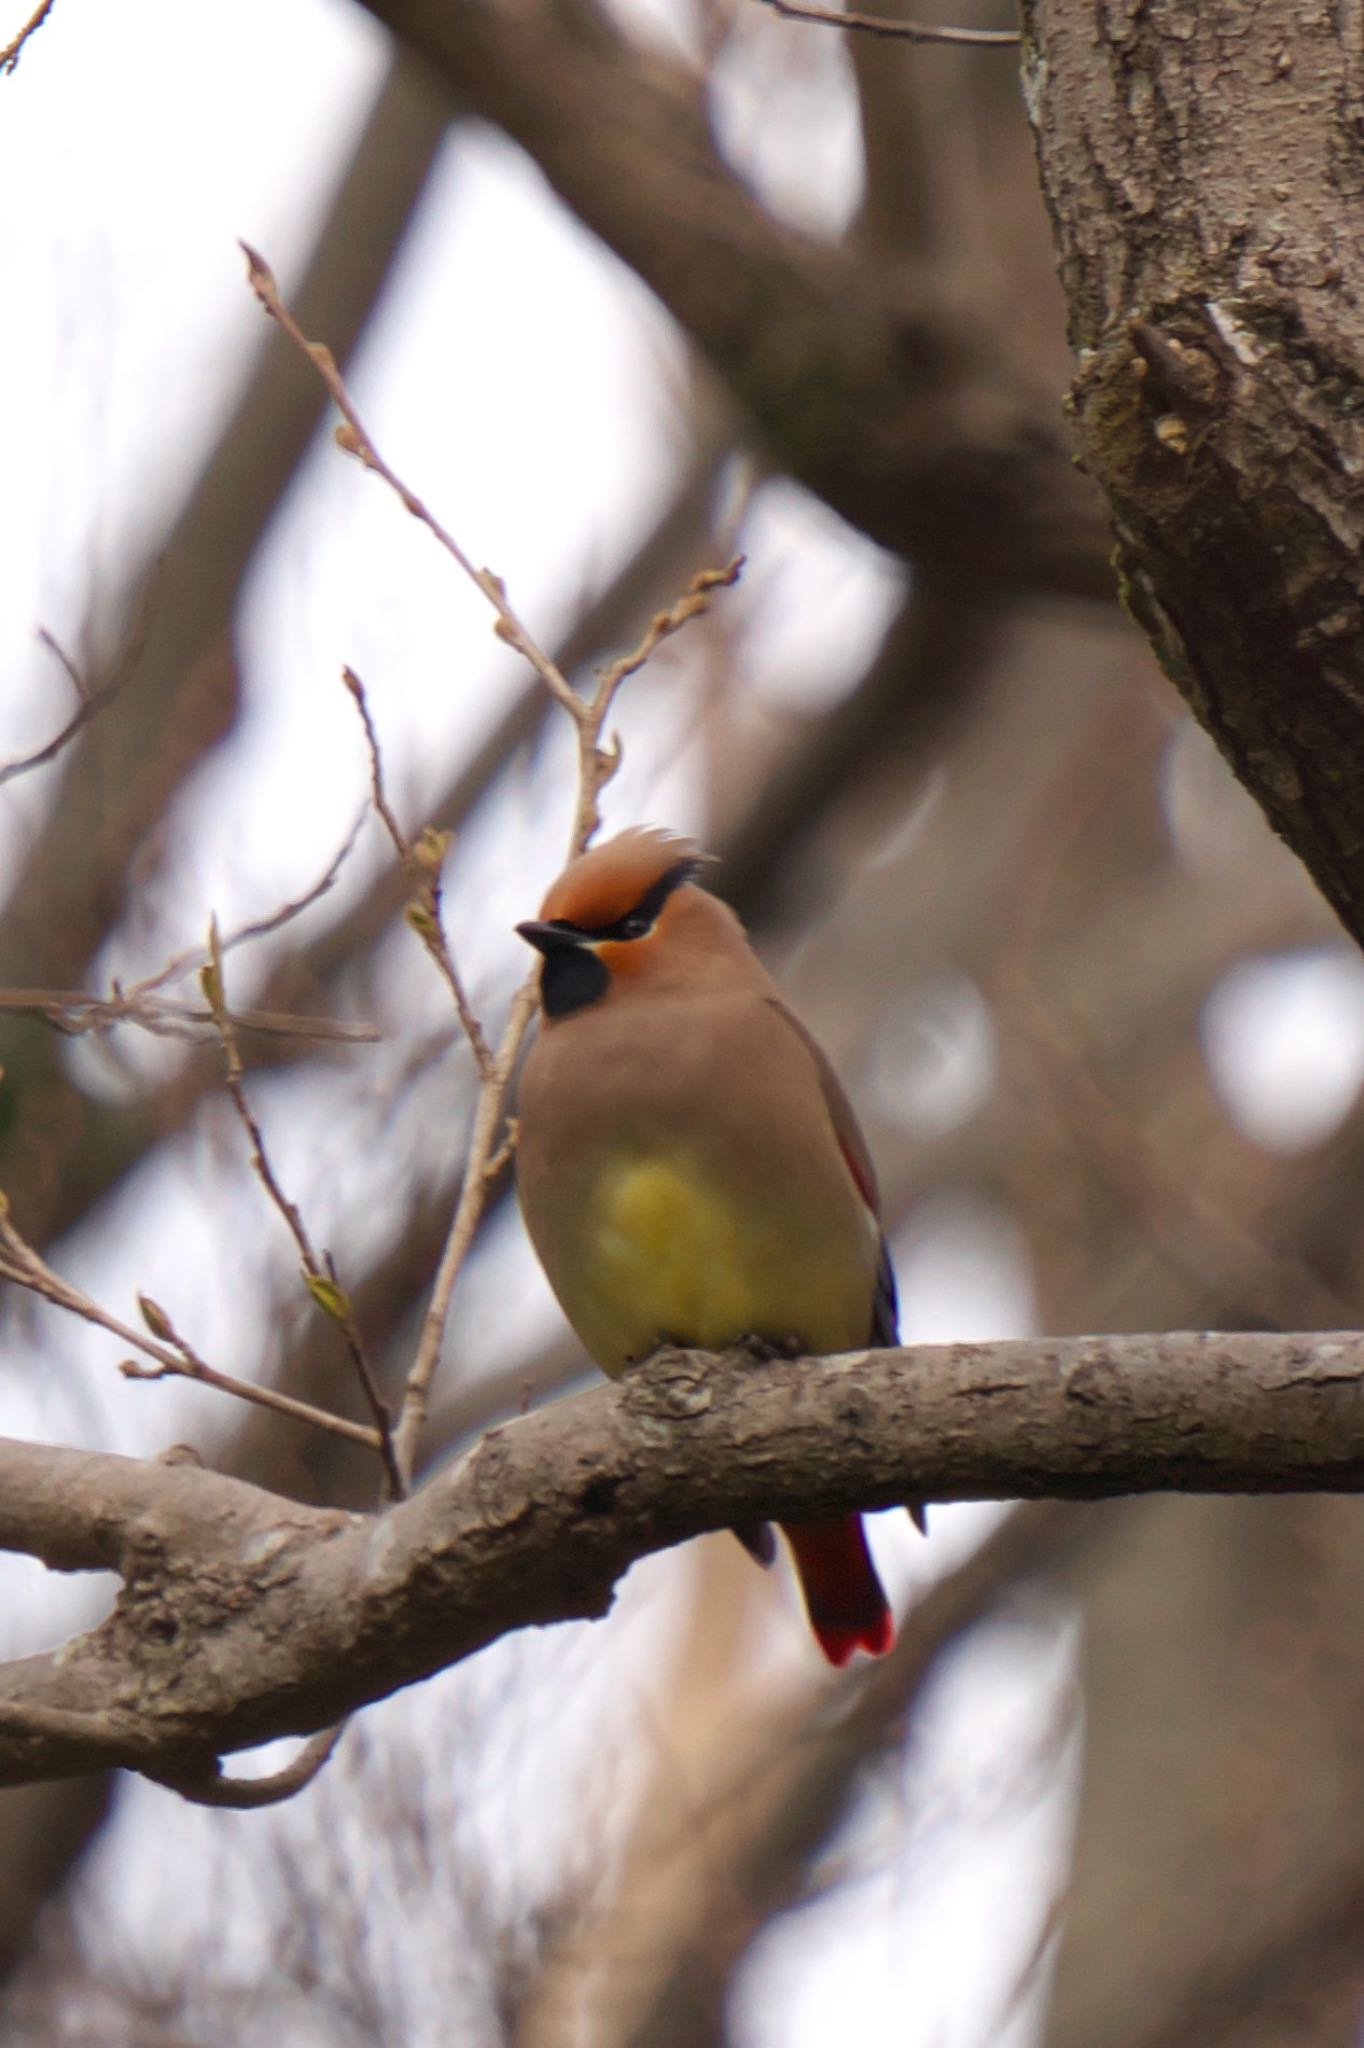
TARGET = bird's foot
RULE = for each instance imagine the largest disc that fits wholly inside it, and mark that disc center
(760, 1348)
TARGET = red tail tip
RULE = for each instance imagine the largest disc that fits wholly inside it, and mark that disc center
(843, 1597)
(838, 1643)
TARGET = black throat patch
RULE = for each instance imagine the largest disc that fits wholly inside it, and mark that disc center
(571, 977)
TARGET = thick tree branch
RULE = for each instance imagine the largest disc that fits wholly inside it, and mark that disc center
(244, 1616)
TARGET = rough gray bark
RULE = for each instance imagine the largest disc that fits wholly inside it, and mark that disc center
(1204, 168)
(244, 1616)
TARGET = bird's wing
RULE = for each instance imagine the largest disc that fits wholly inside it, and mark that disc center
(851, 1142)
(885, 1320)
(885, 1314)
(885, 1309)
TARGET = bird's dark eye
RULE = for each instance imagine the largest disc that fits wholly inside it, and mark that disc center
(633, 927)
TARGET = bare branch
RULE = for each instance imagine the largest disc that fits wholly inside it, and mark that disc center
(481, 1170)
(902, 31)
(20, 1263)
(487, 1158)
(354, 438)
(256, 1617)
(596, 765)
(193, 958)
(319, 1271)
(422, 862)
(10, 55)
(76, 1013)
(90, 701)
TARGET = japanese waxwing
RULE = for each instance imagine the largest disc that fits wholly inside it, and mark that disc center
(690, 1170)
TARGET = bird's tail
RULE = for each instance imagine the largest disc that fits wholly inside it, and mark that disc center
(843, 1596)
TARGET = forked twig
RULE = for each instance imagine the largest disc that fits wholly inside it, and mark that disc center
(422, 861)
(78, 1013)
(193, 958)
(597, 763)
(91, 701)
(20, 1263)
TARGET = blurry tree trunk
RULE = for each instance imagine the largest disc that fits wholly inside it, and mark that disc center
(750, 1785)
(1220, 1860)
(44, 1832)
(900, 408)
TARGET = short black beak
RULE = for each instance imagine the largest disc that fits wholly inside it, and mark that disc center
(549, 938)
(573, 974)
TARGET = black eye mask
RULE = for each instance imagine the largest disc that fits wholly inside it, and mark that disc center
(572, 975)
(639, 921)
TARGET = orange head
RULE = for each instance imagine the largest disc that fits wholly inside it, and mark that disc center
(627, 913)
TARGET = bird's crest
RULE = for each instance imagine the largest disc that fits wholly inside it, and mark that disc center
(610, 881)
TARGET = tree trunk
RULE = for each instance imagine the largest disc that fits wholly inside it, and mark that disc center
(1204, 168)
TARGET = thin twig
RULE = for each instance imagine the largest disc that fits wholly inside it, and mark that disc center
(9, 56)
(355, 440)
(319, 1272)
(495, 1069)
(480, 1171)
(597, 763)
(903, 31)
(422, 861)
(76, 1012)
(205, 1785)
(193, 957)
(20, 1263)
(92, 699)
(487, 1157)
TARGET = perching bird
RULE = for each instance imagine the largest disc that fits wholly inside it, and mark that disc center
(690, 1170)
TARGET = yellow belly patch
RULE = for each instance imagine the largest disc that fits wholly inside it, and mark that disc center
(668, 1255)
